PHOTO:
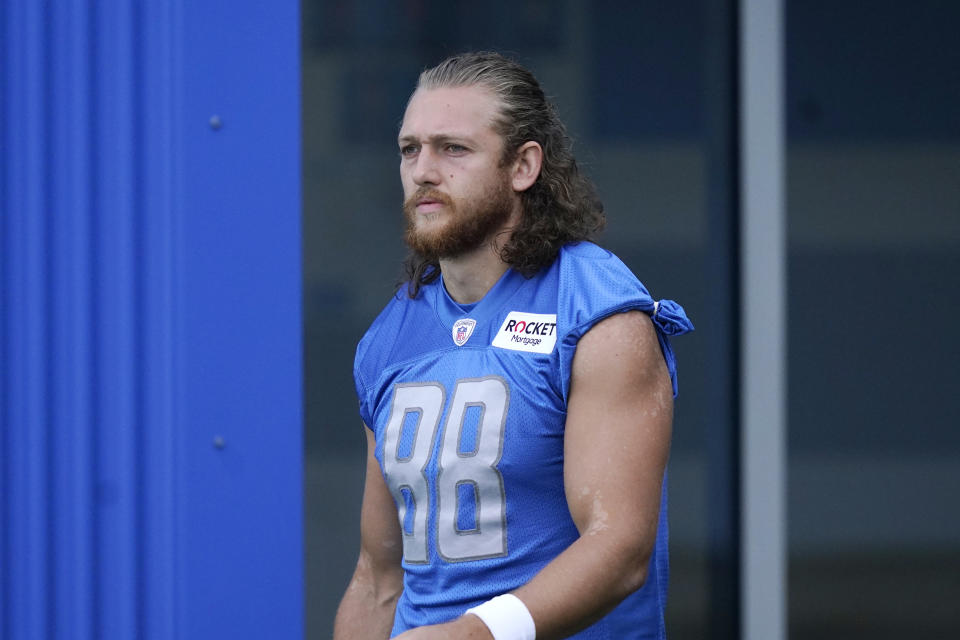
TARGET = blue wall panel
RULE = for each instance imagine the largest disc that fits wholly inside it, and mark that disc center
(243, 215)
(150, 455)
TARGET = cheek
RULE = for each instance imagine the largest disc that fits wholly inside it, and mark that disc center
(407, 183)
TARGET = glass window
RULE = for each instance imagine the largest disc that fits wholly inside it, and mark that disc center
(874, 230)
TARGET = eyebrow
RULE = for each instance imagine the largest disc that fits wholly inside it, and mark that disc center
(436, 139)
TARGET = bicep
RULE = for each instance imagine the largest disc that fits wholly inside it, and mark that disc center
(617, 435)
(380, 535)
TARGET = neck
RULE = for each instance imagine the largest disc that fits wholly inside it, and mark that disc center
(469, 276)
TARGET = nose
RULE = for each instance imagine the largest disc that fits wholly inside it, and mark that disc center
(425, 169)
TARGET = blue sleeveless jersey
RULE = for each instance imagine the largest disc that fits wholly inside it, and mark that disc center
(468, 405)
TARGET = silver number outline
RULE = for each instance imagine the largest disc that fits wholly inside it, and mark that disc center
(409, 472)
(454, 468)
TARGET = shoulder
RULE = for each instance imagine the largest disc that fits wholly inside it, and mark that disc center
(585, 260)
(379, 341)
(593, 283)
(585, 250)
(620, 343)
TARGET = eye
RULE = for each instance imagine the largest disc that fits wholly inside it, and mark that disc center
(456, 149)
(409, 150)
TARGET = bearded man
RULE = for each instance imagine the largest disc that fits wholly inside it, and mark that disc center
(517, 392)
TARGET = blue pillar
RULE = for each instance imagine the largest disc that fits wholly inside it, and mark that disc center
(150, 398)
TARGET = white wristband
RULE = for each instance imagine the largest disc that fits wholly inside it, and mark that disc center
(506, 617)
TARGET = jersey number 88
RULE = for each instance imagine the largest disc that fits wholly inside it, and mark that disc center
(405, 461)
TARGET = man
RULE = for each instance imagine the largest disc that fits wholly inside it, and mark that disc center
(517, 393)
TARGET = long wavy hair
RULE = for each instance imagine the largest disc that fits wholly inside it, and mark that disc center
(562, 206)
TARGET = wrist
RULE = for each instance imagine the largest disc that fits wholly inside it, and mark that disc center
(471, 627)
(506, 618)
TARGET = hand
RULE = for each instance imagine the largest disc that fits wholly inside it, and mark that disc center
(468, 627)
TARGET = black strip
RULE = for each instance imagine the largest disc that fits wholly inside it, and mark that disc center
(723, 264)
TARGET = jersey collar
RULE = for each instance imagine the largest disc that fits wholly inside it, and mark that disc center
(449, 311)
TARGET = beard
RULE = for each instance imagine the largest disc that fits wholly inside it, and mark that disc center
(469, 224)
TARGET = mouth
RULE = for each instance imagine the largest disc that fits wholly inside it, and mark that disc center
(427, 202)
(427, 205)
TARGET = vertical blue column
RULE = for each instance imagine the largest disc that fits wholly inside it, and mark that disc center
(26, 562)
(240, 263)
(162, 202)
(115, 163)
(150, 393)
(71, 396)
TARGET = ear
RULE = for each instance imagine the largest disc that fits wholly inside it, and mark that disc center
(526, 166)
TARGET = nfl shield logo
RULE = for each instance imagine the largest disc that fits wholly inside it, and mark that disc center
(462, 330)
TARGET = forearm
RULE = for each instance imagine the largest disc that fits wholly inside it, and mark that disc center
(583, 584)
(367, 607)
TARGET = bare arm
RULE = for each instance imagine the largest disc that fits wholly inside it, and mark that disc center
(367, 607)
(616, 444)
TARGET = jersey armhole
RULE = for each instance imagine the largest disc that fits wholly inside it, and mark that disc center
(567, 345)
